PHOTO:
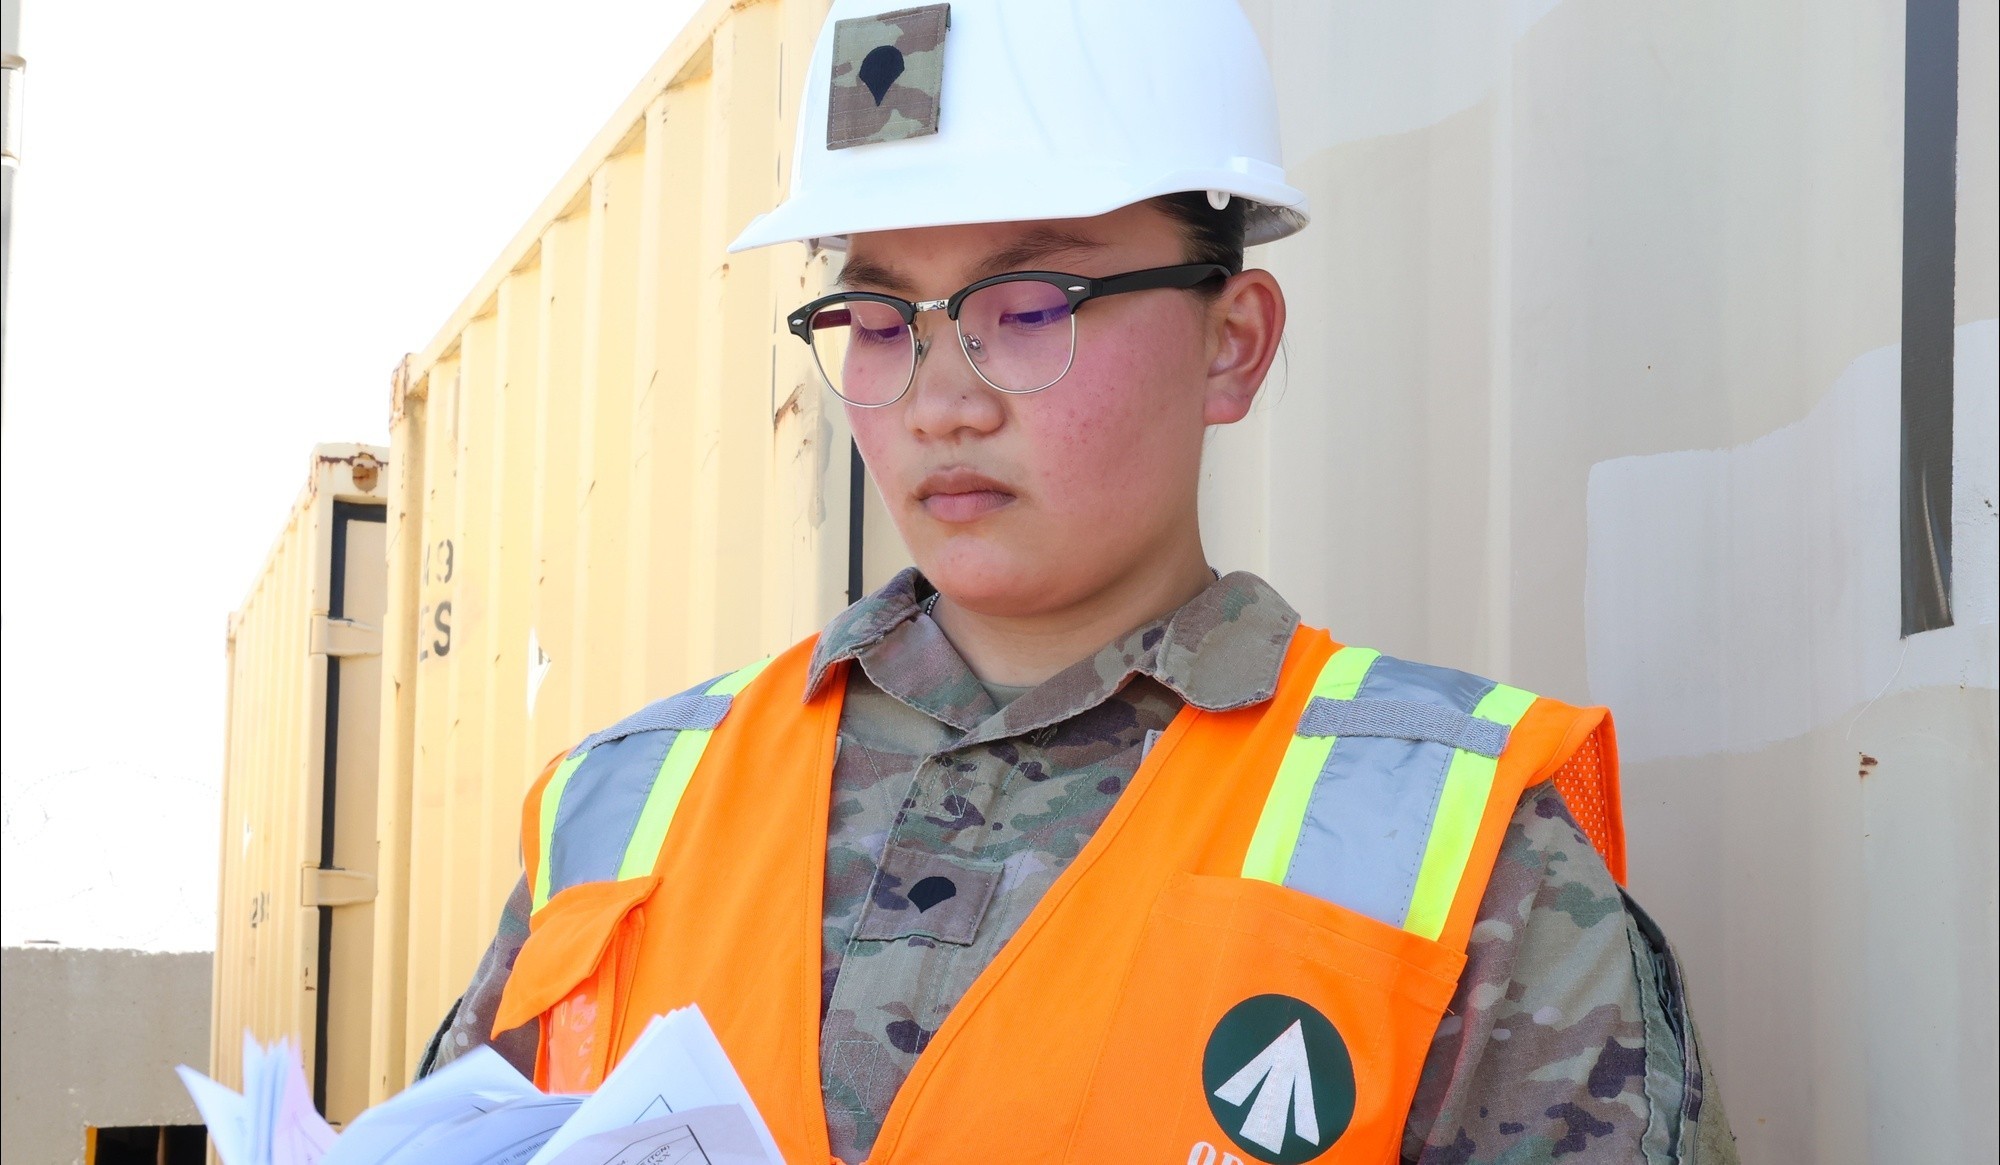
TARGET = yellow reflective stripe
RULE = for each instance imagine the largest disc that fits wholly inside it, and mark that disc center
(642, 853)
(739, 679)
(551, 799)
(1468, 783)
(1277, 835)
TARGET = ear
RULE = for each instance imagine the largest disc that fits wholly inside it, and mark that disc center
(1245, 322)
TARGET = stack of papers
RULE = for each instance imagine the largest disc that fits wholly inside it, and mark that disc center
(673, 1100)
(273, 1122)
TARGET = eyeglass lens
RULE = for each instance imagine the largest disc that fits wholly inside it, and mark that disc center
(864, 349)
(1019, 336)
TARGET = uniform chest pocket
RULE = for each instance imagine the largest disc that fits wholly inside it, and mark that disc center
(1259, 1023)
(575, 972)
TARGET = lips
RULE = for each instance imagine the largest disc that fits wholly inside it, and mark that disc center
(958, 494)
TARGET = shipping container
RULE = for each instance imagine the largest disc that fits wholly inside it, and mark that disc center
(1603, 363)
(615, 477)
(296, 923)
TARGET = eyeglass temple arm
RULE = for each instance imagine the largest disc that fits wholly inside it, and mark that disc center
(1184, 276)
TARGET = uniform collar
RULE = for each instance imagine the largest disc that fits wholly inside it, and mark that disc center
(1220, 650)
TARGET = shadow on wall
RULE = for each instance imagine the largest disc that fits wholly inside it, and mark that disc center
(146, 1145)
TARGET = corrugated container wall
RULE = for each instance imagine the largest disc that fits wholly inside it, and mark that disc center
(1592, 383)
(294, 940)
(1598, 380)
(612, 481)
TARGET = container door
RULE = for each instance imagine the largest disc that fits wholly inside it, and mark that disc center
(343, 886)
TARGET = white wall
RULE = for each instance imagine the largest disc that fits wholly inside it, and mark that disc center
(1593, 384)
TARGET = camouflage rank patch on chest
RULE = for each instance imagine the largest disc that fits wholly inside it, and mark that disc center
(888, 74)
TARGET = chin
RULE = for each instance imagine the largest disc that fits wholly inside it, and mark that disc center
(992, 581)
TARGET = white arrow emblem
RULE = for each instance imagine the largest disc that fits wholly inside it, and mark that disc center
(1286, 1095)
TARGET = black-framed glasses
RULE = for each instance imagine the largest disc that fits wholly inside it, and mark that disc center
(1018, 329)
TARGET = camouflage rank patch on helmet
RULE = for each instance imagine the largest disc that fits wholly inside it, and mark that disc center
(888, 73)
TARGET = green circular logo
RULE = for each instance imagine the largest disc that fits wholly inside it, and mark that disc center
(1278, 1079)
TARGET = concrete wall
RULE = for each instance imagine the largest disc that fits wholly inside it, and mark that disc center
(91, 1038)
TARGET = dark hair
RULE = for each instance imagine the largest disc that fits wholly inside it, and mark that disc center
(1213, 236)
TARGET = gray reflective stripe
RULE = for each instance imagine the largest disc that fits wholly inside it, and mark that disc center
(1423, 683)
(1406, 720)
(1369, 817)
(690, 709)
(606, 795)
(600, 808)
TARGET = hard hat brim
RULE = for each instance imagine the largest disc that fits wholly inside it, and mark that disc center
(831, 213)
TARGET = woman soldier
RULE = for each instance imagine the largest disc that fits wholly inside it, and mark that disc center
(1063, 846)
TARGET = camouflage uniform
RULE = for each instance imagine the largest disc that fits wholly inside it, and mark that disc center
(1568, 1038)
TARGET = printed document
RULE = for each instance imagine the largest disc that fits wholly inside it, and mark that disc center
(674, 1099)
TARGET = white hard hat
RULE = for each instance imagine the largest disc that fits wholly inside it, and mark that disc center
(1011, 110)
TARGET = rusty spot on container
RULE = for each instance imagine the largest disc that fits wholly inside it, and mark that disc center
(399, 389)
(1868, 764)
(791, 405)
(367, 471)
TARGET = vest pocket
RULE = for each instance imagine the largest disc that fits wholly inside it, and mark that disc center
(1267, 1025)
(575, 972)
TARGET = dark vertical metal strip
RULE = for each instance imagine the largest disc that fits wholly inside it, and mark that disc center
(320, 1011)
(1930, 240)
(857, 500)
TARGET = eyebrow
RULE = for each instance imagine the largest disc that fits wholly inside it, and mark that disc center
(1034, 247)
(865, 273)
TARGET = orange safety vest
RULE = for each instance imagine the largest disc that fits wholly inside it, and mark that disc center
(1247, 962)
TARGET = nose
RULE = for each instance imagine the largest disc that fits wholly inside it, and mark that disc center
(973, 346)
(947, 397)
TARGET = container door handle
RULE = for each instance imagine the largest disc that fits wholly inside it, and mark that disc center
(344, 638)
(335, 887)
